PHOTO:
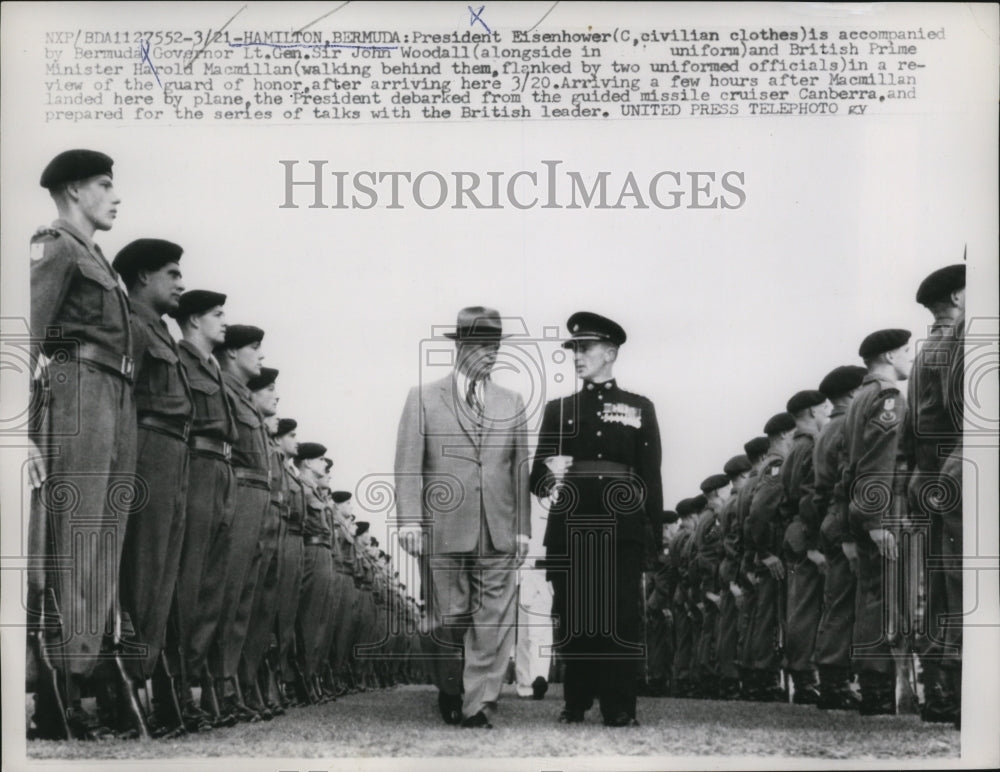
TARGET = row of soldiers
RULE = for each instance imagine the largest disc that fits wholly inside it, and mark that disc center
(180, 537)
(829, 553)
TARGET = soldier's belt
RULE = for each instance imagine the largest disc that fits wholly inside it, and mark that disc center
(105, 359)
(599, 467)
(211, 446)
(253, 478)
(316, 541)
(176, 429)
(345, 571)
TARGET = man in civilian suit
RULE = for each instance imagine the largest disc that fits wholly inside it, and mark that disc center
(464, 508)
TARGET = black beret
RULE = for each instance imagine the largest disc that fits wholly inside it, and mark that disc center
(195, 302)
(362, 527)
(585, 325)
(842, 379)
(72, 165)
(310, 450)
(881, 341)
(941, 283)
(802, 400)
(779, 424)
(268, 375)
(145, 255)
(339, 497)
(669, 516)
(737, 465)
(240, 335)
(714, 482)
(286, 425)
(756, 447)
(699, 502)
(685, 507)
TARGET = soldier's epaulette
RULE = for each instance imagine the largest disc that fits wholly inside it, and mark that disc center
(45, 232)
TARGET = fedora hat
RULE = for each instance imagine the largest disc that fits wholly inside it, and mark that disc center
(477, 323)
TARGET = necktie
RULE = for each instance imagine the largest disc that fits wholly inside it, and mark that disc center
(472, 398)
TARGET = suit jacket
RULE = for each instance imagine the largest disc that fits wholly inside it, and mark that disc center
(454, 477)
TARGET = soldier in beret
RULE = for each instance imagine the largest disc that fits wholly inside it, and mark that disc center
(83, 434)
(764, 535)
(679, 591)
(317, 567)
(871, 487)
(659, 616)
(290, 560)
(254, 673)
(155, 535)
(365, 613)
(932, 437)
(736, 539)
(738, 470)
(708, 553)
(803, 559)
(346, 601)
(610, 440)
(833, 635)
(241, 358)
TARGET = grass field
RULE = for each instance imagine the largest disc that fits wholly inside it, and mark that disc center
(404, 722)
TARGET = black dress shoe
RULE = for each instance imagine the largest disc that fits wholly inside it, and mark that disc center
(568, 716)
(450, 706)
(621, 719)
(478, 721)
(538, 688)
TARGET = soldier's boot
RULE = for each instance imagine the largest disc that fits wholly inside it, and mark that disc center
(769, 687)
(939, 698)
(878, 694)
(237, 705)
(835, 692)
(806, 691)
(111, 713)
(270, 687)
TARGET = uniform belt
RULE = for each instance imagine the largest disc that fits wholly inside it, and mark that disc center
(178, 429)
(599, 467)
(316, 541)
(210, 445)
(345, 571)
(253, 478)
(92, 353)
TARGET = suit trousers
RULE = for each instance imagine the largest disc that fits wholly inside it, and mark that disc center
(533, 655)
(472, 599)
(153, 541)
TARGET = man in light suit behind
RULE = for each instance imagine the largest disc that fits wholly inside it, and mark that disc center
(463, 507)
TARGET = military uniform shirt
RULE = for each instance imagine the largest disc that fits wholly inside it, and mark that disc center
(828, 457)
(316, 522)
(75, 295)
(250, 448)
(799, 484)
(872, 476)
(763, 517)
(214, 412)
(295, 511)
(161, 384)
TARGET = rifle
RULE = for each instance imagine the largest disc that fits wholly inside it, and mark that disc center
(175, 702)
(48, 675)
(127, 687)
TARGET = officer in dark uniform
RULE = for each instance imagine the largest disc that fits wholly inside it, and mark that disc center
(679, 592)
(317, 565)
(764, 534)
(211, 501)
(84, 435)
(708, 551)
(241, 357)
(744, 587)
(290, 563)
(738, 470)
(803, 560)
(873, 488)
(260, 626)
(612, 491)
(155, 534)
(932, 435)
(833, 635)
(345, 597)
